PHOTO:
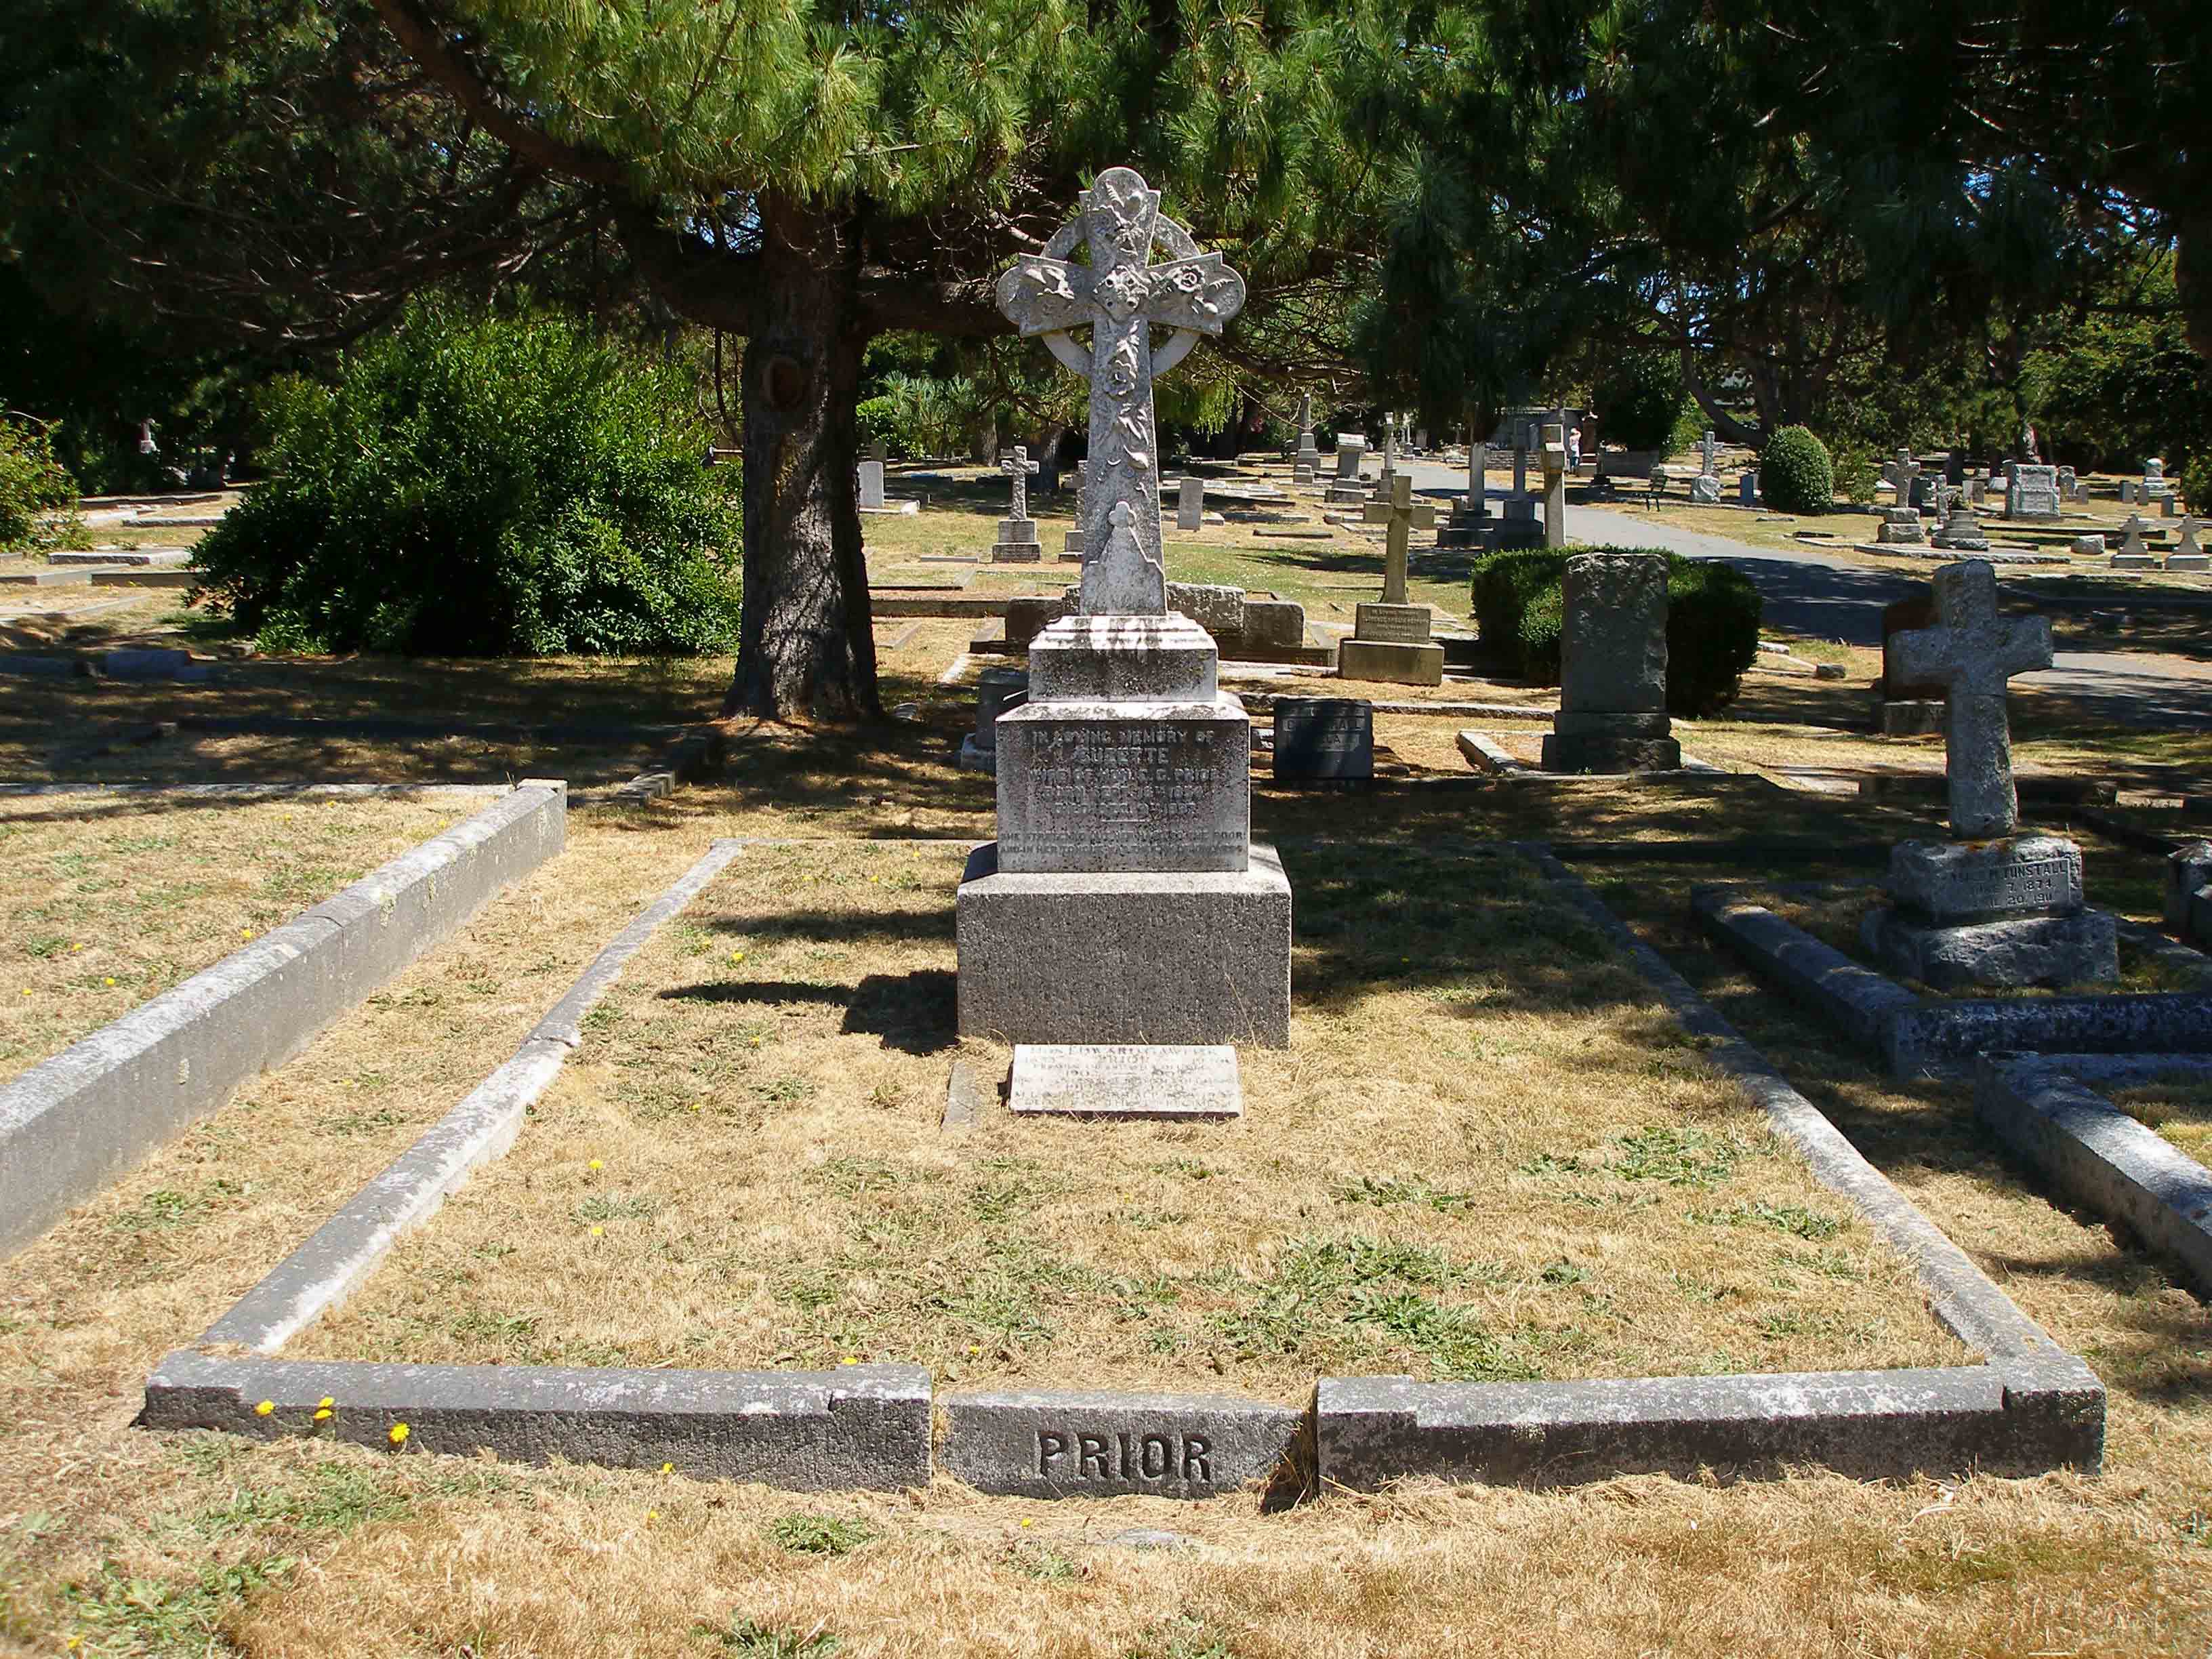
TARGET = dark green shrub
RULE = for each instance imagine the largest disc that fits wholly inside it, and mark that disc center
(1712, 622)
(1795, 474)
(2196, 477)
(1640, 399)
(484, 486)
(38, 498)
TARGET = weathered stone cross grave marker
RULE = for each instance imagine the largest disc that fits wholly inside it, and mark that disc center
(1973, 651)
(1404, 516)
(1019, 467)
(1120, 296)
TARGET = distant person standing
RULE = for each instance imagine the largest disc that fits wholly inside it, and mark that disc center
(1574, 448)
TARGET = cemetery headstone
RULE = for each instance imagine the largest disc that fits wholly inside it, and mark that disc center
(1390, 641)
(1990, 906)
(1308, 464)
(1613, 667)
(1961, 531)
(1389, 455)
(1324, 740)
(872, 485)
(2187, 554)
(1071, 546)
(997, 689)
(2032, 495)
(1747, 489)
(2132, 548)
(1901, 524)
(1190, 504)
(2087, 547)
(1705, 487)
(1018, 541)
(1346, 488)
(1554, 458)
(1124, 901)
(2156, 486)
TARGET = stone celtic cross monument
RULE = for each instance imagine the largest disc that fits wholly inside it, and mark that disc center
(1391, 640)
(1119, 295)
(1990, 906)
(1018, 541)
(1124, 901)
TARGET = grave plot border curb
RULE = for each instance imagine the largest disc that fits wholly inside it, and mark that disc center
(1940, 1036)
(861, 1427)
(2043, 1107)
(2030, 1408)
(72, 1122)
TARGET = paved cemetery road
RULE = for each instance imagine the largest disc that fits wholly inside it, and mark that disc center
(1812, 592)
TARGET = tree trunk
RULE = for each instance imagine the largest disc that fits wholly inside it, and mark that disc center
(807, 645)
(1726, 428)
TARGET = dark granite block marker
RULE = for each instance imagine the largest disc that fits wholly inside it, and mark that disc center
(1324, 738)
(1111, 1445)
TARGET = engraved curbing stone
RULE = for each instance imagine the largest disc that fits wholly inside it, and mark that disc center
(1099, 1444)
(1974, 881)
(1172, 1081)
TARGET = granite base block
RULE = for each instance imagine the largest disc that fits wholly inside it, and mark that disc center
(1126, 956)
(1098, 1444)
(1986, 880)
(2079, 949)
(1602, 752)
(1907, 717)
(1393, 664)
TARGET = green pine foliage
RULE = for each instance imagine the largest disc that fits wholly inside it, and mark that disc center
(38, 498)
(1795, 473)
(1712, 622)
(484, 486)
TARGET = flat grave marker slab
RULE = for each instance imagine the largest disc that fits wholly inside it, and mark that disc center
(1174, 1080)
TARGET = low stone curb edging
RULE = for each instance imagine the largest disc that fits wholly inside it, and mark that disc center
(71, 1123)
(1940, 1036)
(856, 1428)
(2043, 1107)
(2031, 1407)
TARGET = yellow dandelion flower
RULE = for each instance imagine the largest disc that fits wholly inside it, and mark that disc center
(737, 956)
(696, 1105)
(264, 1408)
(322, 1413)
(246, 932)
(595, 1164)
(653, 1514)
(973, 1351)
(755, 1040)
(598, 1231)
(397, 1437)
(668, 1468)
(850, 1359)
(1027, 1521)
(26, 990)
(326, 1402)
(76, 947)
(110, 980)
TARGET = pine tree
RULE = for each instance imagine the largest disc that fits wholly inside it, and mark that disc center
(808, 176)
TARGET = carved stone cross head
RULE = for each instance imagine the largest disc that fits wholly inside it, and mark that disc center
(1021, 469)
(1121, 296)
(1972, 651)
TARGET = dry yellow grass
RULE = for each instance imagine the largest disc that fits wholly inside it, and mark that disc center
(107, 900)
(1485, 1155)
(2179, 1108)
(189, 1543)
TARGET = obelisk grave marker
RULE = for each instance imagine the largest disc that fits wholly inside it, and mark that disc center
(1124, 901)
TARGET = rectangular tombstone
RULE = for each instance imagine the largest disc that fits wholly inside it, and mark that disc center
(872, 483)
(2033, 493)
(1350, 447)
(1613, 634)
(1190, 504)
(1393, 624)
(1176, 1081)
(1115, 786)
(1105, 1445)
(1903, 617)
(1324, 738)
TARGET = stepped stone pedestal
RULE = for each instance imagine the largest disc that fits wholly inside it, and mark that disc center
(2003, 912)
(1990, 906)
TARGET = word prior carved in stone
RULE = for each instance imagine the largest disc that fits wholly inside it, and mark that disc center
(1071, 1455)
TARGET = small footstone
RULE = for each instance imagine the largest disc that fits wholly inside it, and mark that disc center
(1126, 1081)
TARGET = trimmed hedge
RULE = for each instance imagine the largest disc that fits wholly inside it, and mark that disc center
(1795, 472)
(1712, 621)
